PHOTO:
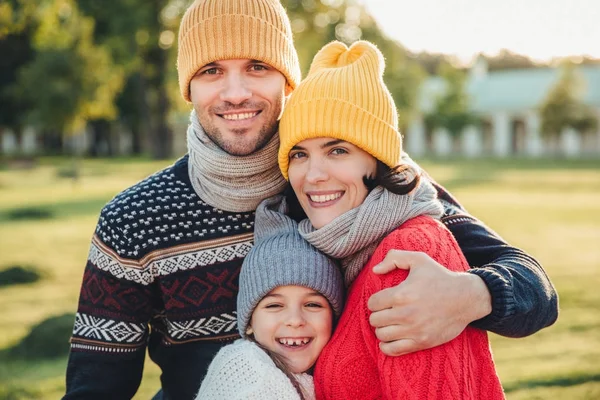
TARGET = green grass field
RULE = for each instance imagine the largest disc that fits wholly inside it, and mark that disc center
(549, 208)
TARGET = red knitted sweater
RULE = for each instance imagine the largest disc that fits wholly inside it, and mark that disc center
(351, 366)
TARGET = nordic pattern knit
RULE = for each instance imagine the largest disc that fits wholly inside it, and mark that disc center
(162, 258)
(162, 274)
(243, 371)
(351, 366)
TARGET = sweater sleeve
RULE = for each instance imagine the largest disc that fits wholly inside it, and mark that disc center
(242, 371)
(111, 324)
(462, 368)
(523, 298)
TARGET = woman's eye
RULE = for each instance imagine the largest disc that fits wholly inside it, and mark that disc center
(273, 305)
(339, 150)
(297, 155)
(314, 305)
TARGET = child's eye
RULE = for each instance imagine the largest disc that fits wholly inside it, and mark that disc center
(273, 305)
(314, 305)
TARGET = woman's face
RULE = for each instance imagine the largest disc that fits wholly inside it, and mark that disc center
(294, 322)
(327, 177)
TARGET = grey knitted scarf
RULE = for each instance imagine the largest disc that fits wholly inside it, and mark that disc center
(227, 182)
(353, 236)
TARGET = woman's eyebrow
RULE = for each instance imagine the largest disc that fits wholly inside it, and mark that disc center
(332, 143)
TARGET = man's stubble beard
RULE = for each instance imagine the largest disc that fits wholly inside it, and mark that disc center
(265, 135)
(266, 132)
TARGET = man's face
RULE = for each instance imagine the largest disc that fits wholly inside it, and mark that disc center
(239, 103)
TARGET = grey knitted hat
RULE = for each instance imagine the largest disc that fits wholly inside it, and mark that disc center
(281, 257)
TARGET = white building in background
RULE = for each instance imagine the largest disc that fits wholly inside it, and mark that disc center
(9, 144)
(508, 102)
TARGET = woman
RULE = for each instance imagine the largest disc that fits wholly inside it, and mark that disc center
(289, 295)
(341, 151)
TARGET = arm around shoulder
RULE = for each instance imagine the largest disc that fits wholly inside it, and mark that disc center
(523, 297)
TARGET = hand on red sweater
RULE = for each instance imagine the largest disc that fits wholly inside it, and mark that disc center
(431, 307)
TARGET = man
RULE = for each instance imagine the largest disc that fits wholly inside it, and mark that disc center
(164, 262)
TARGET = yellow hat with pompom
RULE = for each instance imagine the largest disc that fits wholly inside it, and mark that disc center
(343, 97)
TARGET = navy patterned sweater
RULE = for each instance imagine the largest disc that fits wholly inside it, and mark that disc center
(162, 275)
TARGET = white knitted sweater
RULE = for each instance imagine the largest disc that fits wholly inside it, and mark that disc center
(243, 371)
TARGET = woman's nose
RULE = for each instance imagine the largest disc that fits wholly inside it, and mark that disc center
(317, 171)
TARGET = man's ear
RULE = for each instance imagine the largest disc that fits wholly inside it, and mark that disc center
(288, 90)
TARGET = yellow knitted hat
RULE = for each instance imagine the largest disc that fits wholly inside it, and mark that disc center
(213, 30)
(343, 97)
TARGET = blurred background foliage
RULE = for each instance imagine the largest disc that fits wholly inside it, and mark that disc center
(71, 65)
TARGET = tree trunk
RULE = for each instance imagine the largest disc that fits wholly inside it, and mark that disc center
(102, 140)
(140, 125)
(162, 139)
(52, 142)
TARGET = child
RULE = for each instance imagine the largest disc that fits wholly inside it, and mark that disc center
(289, 295)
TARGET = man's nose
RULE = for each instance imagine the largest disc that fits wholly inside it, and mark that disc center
(235, 90)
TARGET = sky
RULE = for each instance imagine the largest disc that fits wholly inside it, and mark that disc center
(540, 29)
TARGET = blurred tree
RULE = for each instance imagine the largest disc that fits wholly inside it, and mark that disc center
(79, 80)
(17, 51)
(315, 23)
(141, 35)
(451, 108)
(587, 60)
(69, 80)
(15, 16)
(506, 59)
(563, 107)
(16, 31)
(432, 61)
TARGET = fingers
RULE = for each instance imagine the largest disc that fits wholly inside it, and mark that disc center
(392, 333)
(385, 317)
(399, 347)
(384, 299)
(397, 259)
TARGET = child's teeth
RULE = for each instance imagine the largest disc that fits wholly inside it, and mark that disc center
(294, 342)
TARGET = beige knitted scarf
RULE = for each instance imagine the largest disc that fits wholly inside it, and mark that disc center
(353, 236)
(227, 182)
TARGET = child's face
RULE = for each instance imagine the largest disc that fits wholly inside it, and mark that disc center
(295, 322)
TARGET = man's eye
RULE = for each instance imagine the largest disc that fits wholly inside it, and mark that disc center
(258, 67)
(210, 71)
